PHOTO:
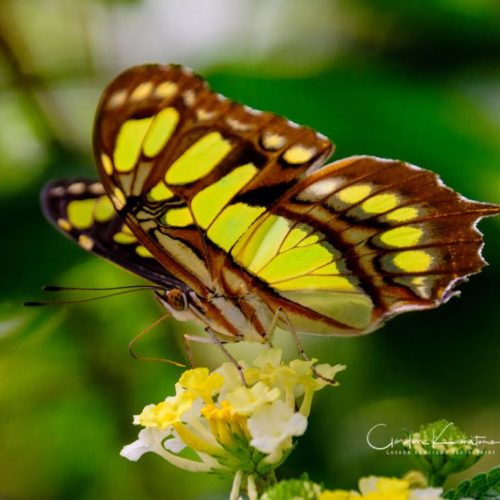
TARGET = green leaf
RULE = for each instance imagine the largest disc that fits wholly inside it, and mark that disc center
(302, 489)
(484, 486)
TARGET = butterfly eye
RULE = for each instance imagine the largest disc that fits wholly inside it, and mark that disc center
(176, 299)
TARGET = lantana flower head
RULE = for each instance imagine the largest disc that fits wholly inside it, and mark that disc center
(383, 488)
(440, 449)
(245, 431)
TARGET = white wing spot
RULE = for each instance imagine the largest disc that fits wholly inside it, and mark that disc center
(142, 91)
(321, 189)
(77, 188)
(166, 90)
(117, 99)
(272, 141)
(64, 224)
(96, 188)
(189, 98)
(202, 114)
(57, 191)
(237, 125)
(86, 242)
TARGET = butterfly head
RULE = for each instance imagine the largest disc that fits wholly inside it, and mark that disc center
(174, 300)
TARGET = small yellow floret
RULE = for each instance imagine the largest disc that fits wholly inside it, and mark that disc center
(201, 383)
(167, 412)
(338, 495)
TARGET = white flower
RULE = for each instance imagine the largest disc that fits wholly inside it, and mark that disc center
(174, 444)
(272, 428)
(193, 413)
(150, 440)
(425, 494)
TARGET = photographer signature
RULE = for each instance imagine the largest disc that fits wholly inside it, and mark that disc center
(436, 441)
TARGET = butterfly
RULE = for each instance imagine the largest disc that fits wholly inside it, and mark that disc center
(232, 213)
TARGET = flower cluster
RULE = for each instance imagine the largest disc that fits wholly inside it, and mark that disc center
(412, 487)
(383, 488)
(245, 430)
(440, 449)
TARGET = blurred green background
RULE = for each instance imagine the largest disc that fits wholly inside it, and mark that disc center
(418, 81)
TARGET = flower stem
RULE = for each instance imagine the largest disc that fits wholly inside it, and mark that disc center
(436, 480)
(262, 482)
(235, 490)
(252, 488)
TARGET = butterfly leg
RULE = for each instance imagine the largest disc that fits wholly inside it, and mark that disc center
(220, 344)
(187, 339)
(281, 314)
(300, 348)
(268, 338)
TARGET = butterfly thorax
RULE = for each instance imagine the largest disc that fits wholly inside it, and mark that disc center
(233, 318)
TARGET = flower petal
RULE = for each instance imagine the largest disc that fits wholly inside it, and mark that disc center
(273, 425)
(246, 400)
(425, 494)
(150, 440)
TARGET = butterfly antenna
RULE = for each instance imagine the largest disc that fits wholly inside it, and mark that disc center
(57, 288)
(141, 334)
(40, 303)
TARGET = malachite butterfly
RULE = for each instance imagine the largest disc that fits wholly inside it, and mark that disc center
(233, 214)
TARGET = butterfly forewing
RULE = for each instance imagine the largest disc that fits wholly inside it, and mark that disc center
(189, 168)
(81, 210)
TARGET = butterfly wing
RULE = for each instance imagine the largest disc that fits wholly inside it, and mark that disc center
(174, 156)
(234, 203)
(360, 240)
(81, 210)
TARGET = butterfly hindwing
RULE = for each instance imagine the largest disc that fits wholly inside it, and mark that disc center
(81, 210)
(360, 240)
